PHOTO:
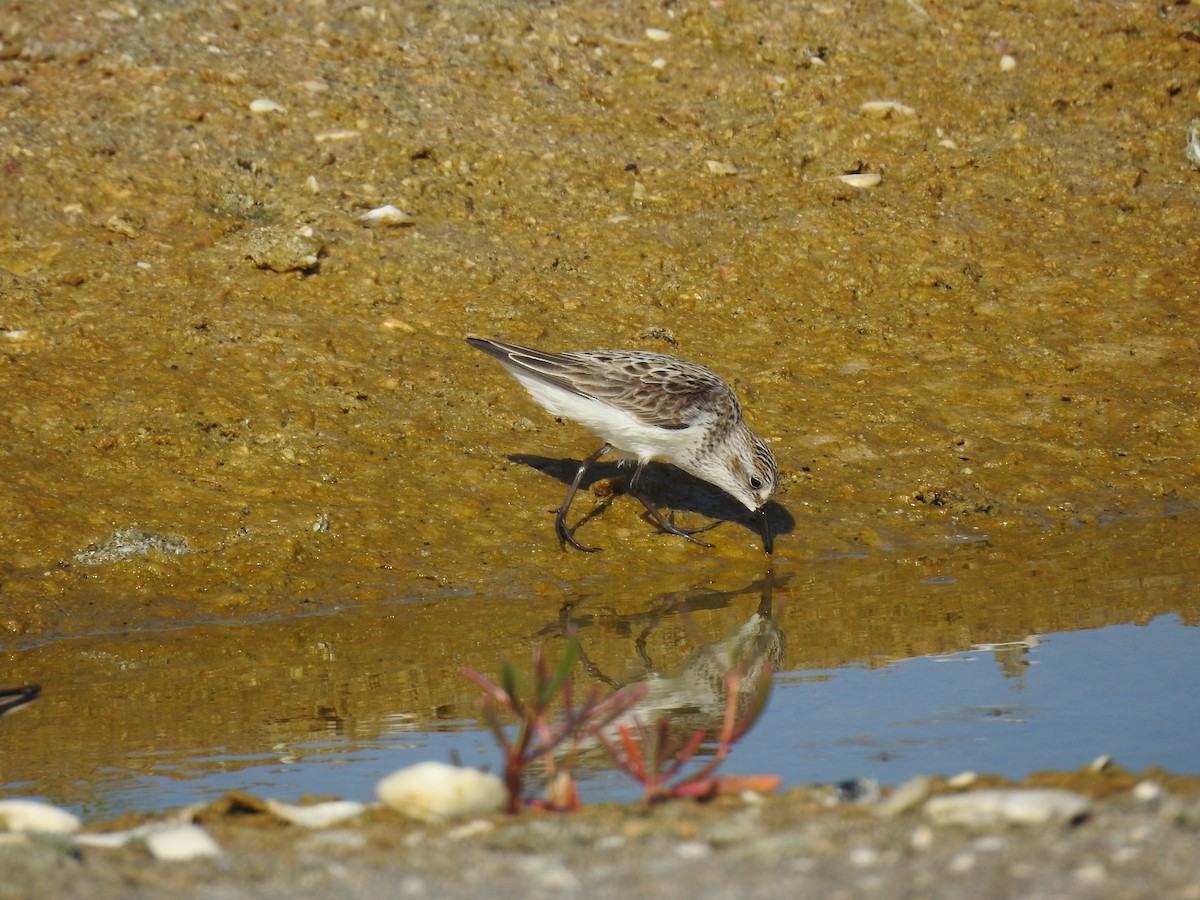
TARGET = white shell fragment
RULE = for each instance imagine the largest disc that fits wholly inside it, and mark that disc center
(1007, 63)
(319, 815)
(981, 809)
(106, 840)
(436, 792)
(861, 180)
(907, 796)
(1193, 142)
(886, 109)
(36, 816)
(657, 34)
(179, 843)
(717, 167)
(1148, 791)
(345, 134)
(386, 215)
(265, 105)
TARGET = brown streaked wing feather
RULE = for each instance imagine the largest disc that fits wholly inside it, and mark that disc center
(621, 377)
(656, 389)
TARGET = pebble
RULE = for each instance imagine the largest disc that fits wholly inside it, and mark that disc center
(862, 857)
(981, 809)
(282, 250)
(548, 873)
(179, 843)
(265, 105)
(886, 109)
(1007, 63)
(962, 862)
(437, 792)
(717, 167)
(386, 215)
(1101, 763)
(610, 842)
(471, 829)
(1147, 791)
(1091, 874)
(861, 180)
(344, 134)
(1193, 140)
(319, 815)
(693, 850)
(922, 838)
(907, 796)
(657, 34)
(338, 838)
(36, 816)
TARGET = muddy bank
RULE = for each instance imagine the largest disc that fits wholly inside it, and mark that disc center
(1137, 838)
(982, 367)
(1001, 334)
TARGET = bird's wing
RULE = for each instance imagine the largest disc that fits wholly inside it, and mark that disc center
(655, 389)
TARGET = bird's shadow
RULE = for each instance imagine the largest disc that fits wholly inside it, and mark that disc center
(667, 487)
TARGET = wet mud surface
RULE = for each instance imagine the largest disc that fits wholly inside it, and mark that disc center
(253, 473)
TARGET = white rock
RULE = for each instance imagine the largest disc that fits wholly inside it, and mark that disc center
(319, 815)
(547, 873)
(108, 840)
(266, 105)
(436, 792)
(985, 808)
(922, 838)
(471, 829)
(1148, 791)
(1193, 140)
(1007, 63)
(907, 796)
(386, 215)
(1101, 763)
(345, 134)
(693, 850)
(179, 843)
(34, 815)
(657, 34)
(886, 109)
(861, 180)
(717, 167)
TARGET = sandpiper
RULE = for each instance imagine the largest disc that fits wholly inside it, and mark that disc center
(649, 406)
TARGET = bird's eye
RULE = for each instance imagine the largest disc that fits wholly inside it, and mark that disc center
(755, 482)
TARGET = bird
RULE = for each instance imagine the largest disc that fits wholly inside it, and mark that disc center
(648, 406)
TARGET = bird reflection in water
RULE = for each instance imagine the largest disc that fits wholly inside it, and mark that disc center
(694, 693)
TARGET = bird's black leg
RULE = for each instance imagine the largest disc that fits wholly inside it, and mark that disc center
(667, 525)
(560, 521)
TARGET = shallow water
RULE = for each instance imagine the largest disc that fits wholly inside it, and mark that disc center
(978, 376)
(328, 704)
